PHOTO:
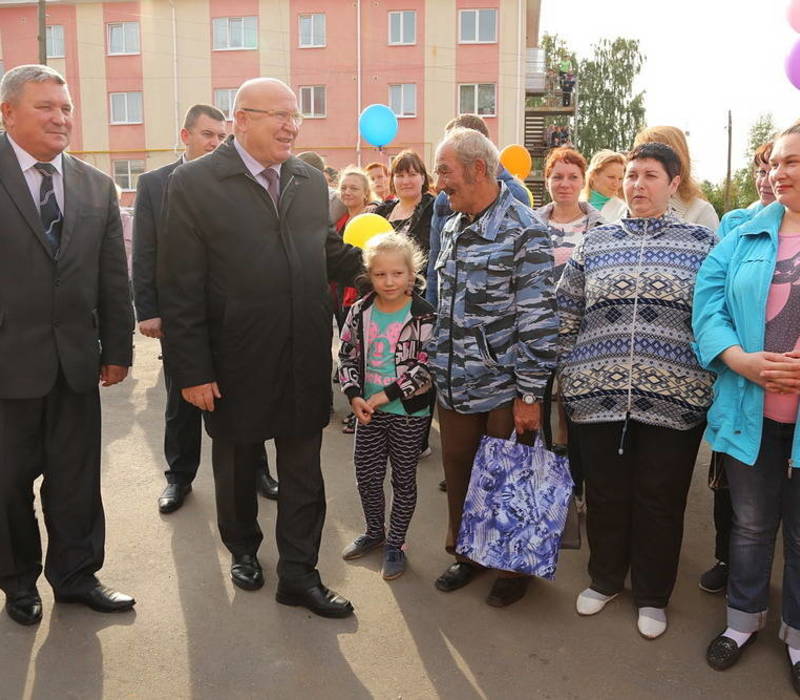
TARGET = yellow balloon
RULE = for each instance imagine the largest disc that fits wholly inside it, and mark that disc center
(530, 198)
(517, 160)
(363, 227)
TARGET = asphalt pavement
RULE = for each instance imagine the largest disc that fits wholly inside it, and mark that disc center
(194, 635)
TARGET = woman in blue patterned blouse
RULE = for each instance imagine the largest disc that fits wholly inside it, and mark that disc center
(633, 387)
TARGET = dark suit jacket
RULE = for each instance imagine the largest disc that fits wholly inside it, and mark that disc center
(147, 220)
(73, 311)
(244, 297)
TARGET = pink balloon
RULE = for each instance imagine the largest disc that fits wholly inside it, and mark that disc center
(793, 14)
(793, 65)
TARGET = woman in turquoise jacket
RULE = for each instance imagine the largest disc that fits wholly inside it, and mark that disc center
(715, 580)
(747, 329)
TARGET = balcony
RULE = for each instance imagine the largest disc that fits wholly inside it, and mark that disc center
(535, 74)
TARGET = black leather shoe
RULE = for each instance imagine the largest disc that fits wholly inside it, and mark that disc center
(246, 572)
(320, 600)
(100, 598)
(267, 486)
(456, 576)
(25, 608)
(507, 590)
(723, 652)
(171, 498)
(794, 672)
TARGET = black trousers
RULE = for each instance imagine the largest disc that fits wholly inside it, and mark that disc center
(723, 521)
(301, 503)
(183, 427)
(574, 454)
(56, 436)
(635, 505)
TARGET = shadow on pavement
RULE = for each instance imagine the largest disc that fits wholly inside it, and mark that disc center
(70, 662)
(244, 644)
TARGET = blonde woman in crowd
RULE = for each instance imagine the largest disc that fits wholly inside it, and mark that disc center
(603, 187)
(688, 203)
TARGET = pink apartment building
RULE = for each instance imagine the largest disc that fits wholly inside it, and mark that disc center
(134, 67)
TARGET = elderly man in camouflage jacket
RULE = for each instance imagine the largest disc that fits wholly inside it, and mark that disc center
(494, 345)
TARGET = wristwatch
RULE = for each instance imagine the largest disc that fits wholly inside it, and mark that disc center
(528, 399)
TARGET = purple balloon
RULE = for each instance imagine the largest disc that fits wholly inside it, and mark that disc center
(793, 65)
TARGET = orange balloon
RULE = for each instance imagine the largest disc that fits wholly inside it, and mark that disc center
(516, 160)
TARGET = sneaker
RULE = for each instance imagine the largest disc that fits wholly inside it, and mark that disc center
(427, 452)
(360, 546)
(590, 602)
(715, 580)
(394, 563)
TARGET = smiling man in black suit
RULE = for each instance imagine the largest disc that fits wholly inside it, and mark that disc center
(243, 284)
(65, 325)
(203, 130)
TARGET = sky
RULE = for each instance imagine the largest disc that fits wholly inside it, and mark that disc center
(704, 57)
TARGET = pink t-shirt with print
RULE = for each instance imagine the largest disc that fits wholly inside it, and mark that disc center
(783, 321)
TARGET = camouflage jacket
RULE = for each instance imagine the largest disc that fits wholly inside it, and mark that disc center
(413, 378)
(496, 334)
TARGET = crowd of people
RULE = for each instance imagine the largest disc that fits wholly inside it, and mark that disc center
(661, 325)
(557, 135)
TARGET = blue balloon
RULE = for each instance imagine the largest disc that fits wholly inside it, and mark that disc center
(378, 125)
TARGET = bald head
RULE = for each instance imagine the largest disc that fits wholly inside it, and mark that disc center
(260, 88)
(265, 119)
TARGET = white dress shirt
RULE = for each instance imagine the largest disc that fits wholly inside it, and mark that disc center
(34, 178)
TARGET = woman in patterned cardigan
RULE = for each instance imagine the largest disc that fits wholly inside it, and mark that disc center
(633, 386)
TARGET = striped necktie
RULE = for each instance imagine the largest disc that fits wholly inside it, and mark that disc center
(49, 211)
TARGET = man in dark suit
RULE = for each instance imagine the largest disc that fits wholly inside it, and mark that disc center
(243, 292)
(65, 324)
(203, 130)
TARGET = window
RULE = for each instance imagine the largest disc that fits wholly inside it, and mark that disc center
(477, 26)
(232, 33)
(123, 38)
(477, 98)
(312, 31)
(403, 27)
(55, 41)
(126, 107)
(312, 101)
(403, 99)
(223, 100)
(126, 173)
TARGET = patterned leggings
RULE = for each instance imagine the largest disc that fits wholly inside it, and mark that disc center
(398, 439)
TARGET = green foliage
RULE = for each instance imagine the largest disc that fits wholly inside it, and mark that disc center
(610, 113)
(762, 130)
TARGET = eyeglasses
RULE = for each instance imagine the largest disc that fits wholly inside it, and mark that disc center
(279, 114)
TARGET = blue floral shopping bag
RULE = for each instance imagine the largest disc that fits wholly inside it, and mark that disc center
(516, 507)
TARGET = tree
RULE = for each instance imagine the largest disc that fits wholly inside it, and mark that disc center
(609, 112)
(743, 185)
(761, 131)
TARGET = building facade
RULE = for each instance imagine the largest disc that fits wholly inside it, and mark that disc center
(135, 67)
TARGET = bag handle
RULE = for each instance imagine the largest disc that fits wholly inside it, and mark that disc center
(546, 431)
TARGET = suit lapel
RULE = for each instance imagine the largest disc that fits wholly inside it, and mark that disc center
(73, 186)
(12, 179)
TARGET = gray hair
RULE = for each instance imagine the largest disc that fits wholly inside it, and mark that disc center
(13, 82)
(471, 146)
